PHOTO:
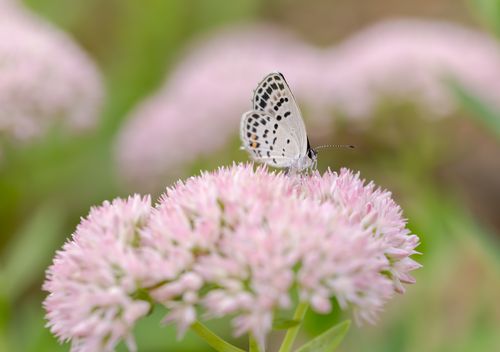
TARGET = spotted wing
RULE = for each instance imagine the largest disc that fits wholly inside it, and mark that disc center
(267, 140)
(274, 97)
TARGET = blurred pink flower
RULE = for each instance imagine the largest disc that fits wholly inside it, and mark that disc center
(410, 60)
(94, 279)
(237, 241)
(198, 109)
(45, 78)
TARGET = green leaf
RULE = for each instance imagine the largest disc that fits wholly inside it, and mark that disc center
(480, 110)
(29, 253)
(284, 323)
(327, 341)
(212, 339)
(489, 12)
(253, 345)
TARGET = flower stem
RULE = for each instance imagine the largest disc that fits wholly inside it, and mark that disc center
(291, 334)
(212, 339)
(252, 343)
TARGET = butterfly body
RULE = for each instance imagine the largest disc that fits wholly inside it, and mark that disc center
(273, 132)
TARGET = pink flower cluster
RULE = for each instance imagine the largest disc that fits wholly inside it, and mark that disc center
(95, 277)
(411, 60)
(45, 78)
(198, 109)
(234, 242)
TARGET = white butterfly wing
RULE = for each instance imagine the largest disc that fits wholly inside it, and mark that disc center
(267, 140)
(273, 96)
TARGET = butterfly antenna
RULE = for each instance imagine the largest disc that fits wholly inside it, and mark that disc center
(334, 146)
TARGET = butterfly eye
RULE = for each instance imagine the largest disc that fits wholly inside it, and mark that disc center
(312, 154)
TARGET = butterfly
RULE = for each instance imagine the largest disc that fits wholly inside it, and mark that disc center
(273, 132)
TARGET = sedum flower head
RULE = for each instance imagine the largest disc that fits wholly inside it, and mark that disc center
(411, 60)
(238, 241)
(400, 60)
(95, 277)
(45, 78)
(203, 98)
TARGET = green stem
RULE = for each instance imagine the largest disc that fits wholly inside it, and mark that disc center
(291, 334)
(252, 343)
(212, 339)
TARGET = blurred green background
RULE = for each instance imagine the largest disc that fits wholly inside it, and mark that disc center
(444, 172)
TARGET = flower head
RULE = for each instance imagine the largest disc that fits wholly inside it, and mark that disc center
(410, 60)
(94, 279)
(236, 242)
(204, 98)
(239, 242)
(374, 210)
(45, 78)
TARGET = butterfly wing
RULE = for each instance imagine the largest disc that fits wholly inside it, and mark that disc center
(267, 140)
(274, 97)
